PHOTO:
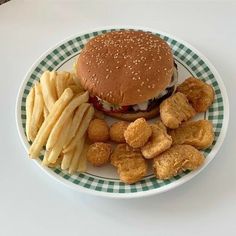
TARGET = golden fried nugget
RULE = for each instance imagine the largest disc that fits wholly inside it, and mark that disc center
(117, 131)
(158, 143)
(138, 133)
(175, 110)
(99, 153)
(98, 130)
(199, 134)
(176, 160)
(130, 164)
(200, 95)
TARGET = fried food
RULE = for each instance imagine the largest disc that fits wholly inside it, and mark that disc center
(77, 119)
(49, 122)
(176, 160)
(37, 112)
(158, 143)
(175, 110)
(199, 134)
(99, 153)
(81, 130)
(98, 131)
(117, 131)
(82, 165)
(75, 159)
(29, 111)
(131, 166)
(48, 90)
(68, 111)
(61, 139)
(138, 133)
(200, 95)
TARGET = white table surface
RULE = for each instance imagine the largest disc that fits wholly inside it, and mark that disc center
(31, 203)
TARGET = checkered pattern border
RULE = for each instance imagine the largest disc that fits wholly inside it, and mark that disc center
(191, 60)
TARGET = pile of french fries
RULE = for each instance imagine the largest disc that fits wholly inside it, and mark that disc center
(57, 117)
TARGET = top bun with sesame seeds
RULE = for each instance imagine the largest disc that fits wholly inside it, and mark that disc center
(125, 68)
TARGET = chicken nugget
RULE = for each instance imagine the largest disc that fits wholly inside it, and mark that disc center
(199, 134)
(122, 152)
(176, 160)
(131, 166)
(200, 95)
(158, 143)
(99, 153)
(138, 133)
(175, 110)
(117, 131)
(98, 130)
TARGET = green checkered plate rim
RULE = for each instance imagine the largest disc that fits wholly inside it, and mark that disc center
(193, 60)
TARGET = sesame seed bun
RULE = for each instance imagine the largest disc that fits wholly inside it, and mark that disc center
(125, 67)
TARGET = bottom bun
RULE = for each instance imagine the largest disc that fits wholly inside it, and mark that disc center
(133, 116)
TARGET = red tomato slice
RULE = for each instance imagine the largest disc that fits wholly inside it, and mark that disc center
(96, 103)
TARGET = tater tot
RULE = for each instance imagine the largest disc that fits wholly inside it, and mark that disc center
(138, 133)
(117, 131)
(98, 131)
(99, 153)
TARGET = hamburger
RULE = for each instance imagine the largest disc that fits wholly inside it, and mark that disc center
(127, 73)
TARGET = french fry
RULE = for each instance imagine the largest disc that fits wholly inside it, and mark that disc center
(76, 121)
(57, 148)
(29, 111)
(74, 75)
(75, 89)
(70, 80)
(81, 130)
(60, 84)
(75, 102)
(45, 112)
(57, 163)
(47, 125)
(66, 160)
(47, 90)
(37, 111)
(78, 150)
(53, 75)
(45, 161)
(82, 163)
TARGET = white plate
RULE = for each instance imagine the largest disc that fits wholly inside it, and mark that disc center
(104, 181)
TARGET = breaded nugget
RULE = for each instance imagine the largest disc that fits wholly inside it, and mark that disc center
(98, 131)
(117, 131)
(138, 133)
(175, 110)
(131, 166)
(200, 95)
(158, 143)
(99, 153)
(199, 134)
(176, 160)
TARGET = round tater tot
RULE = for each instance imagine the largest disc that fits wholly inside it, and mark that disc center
(138, 133)
(99, 153)
(98, 131)
(117, 131)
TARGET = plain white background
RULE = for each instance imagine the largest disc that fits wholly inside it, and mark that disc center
(31, 203)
